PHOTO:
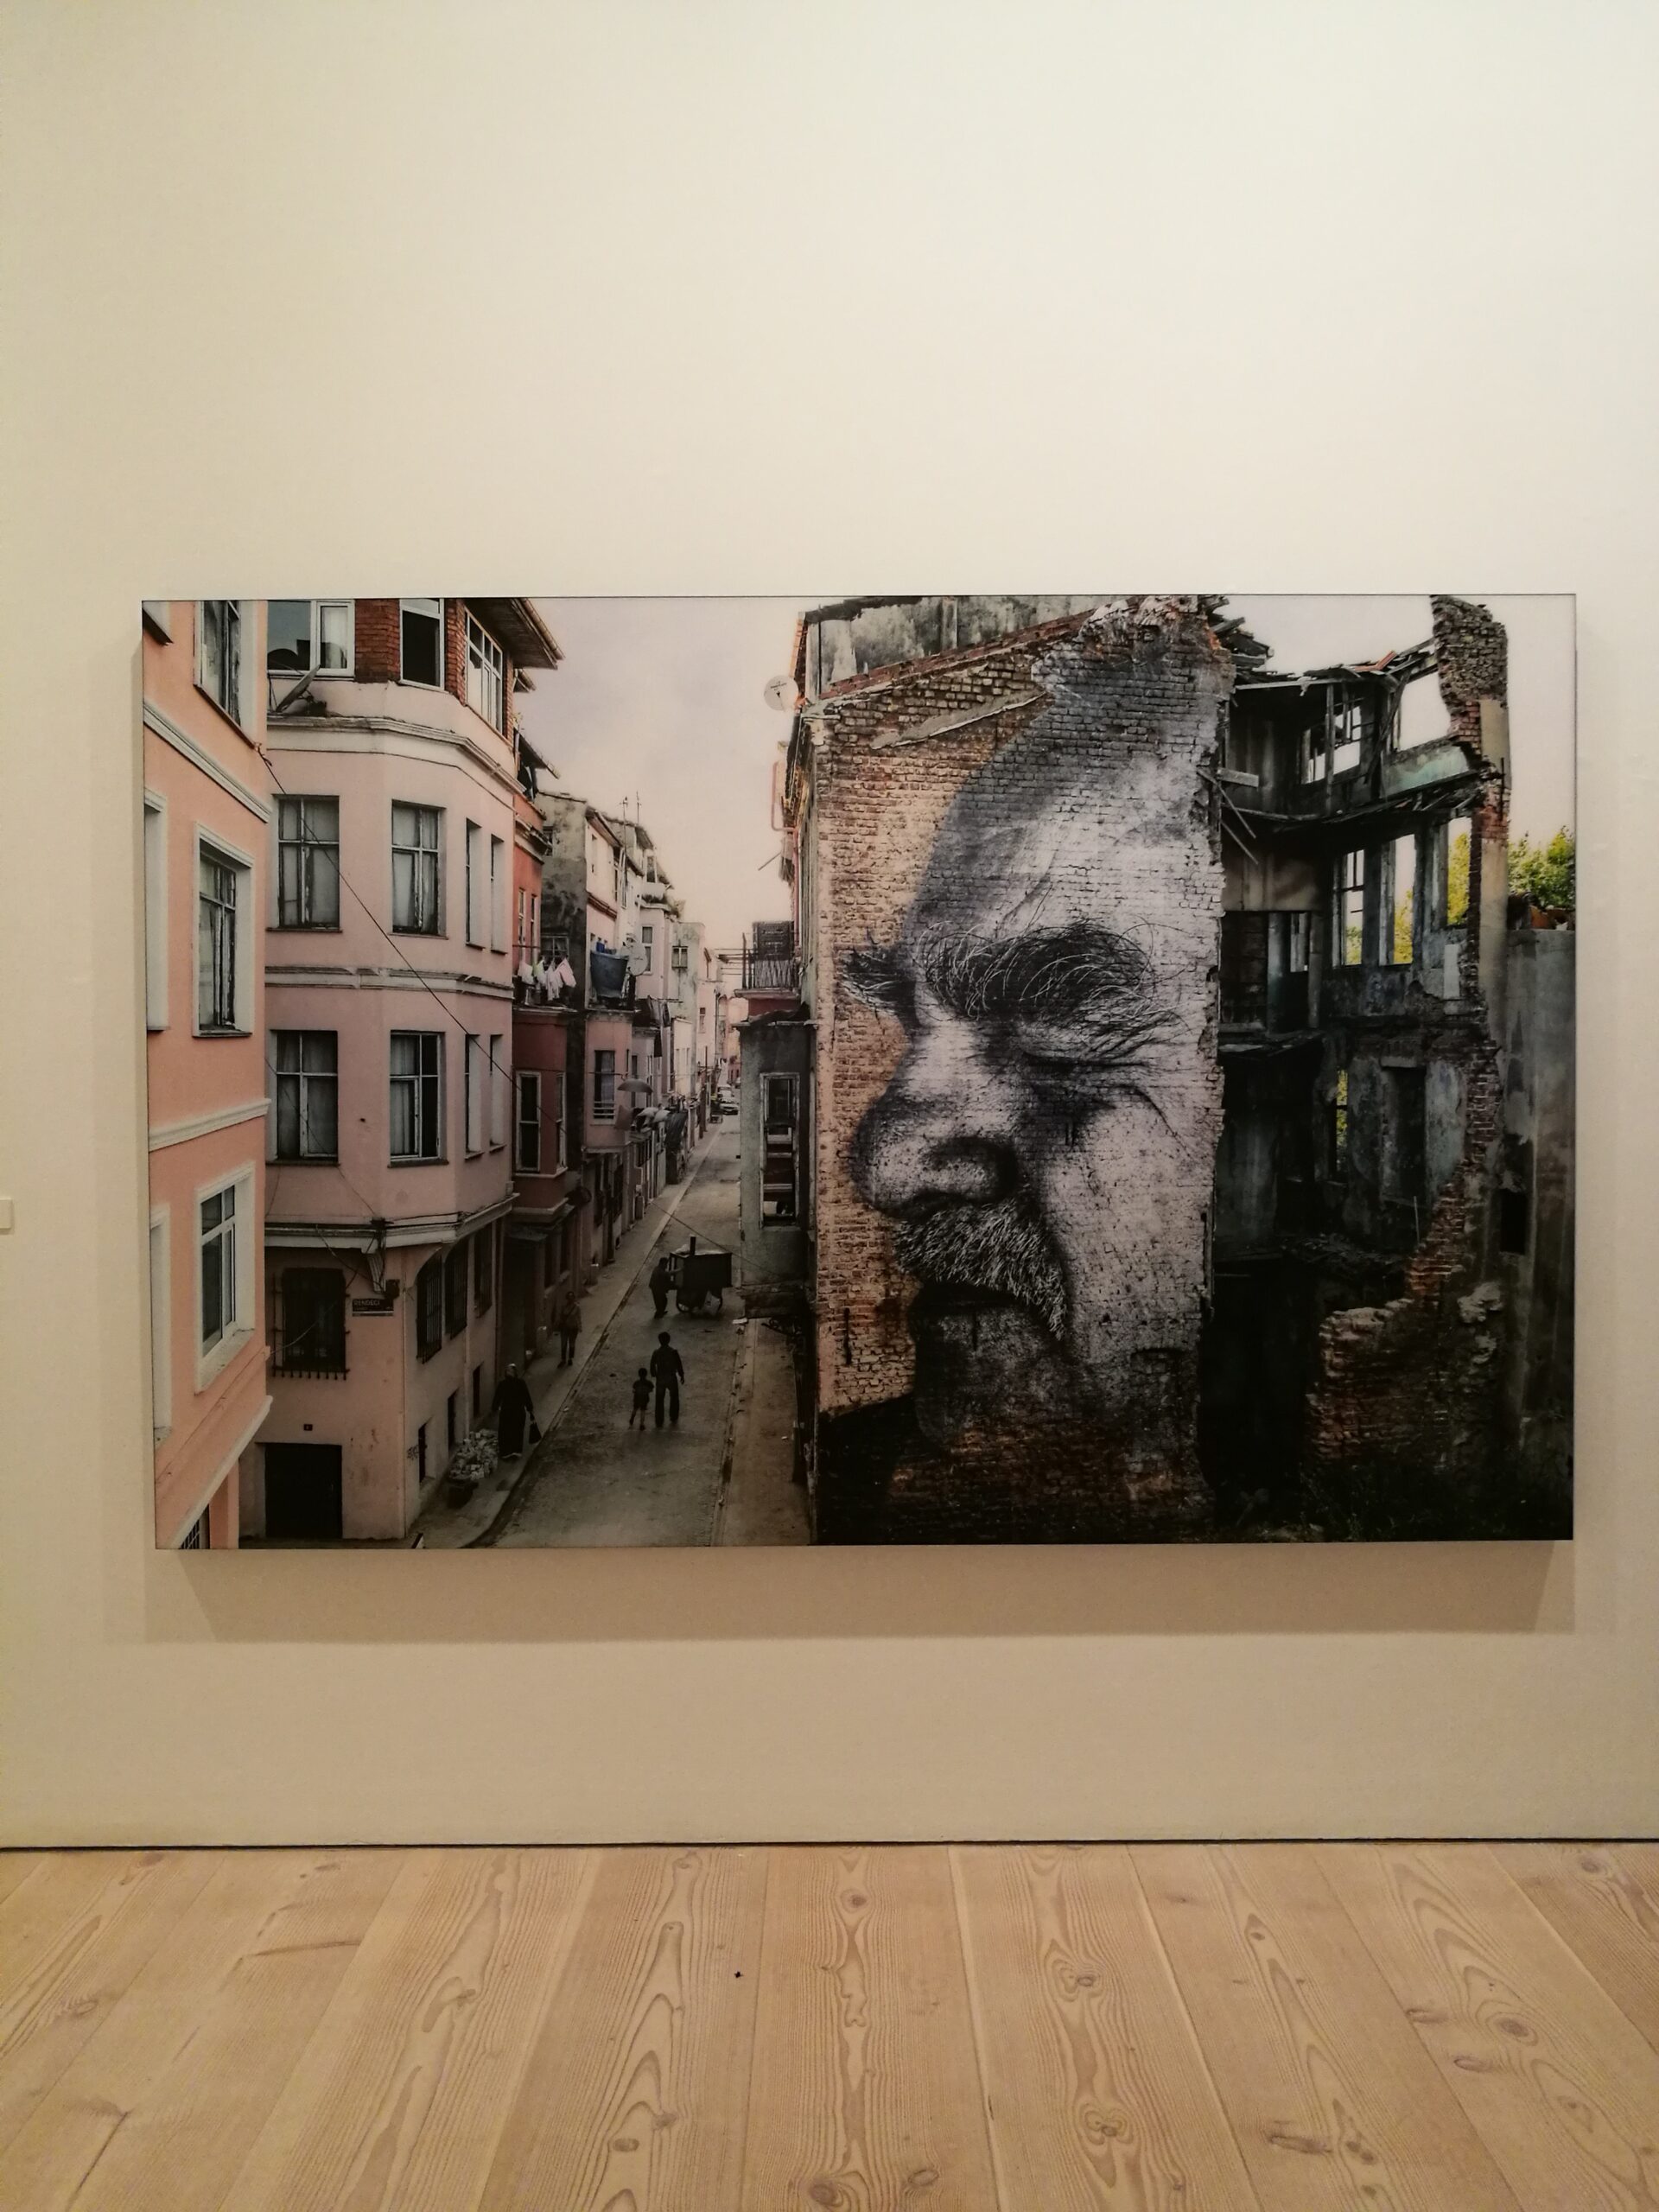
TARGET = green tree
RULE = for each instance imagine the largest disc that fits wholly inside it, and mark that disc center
(1547, 875)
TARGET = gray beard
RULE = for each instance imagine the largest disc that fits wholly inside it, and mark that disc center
(998, 1250)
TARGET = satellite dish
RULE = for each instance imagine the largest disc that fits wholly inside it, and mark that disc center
(780, 692)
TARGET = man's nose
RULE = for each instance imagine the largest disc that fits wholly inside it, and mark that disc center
(939, 1134)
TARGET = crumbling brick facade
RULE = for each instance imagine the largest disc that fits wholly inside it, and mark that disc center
(1363, 1325)
(1129, 703)
(1404, 1418)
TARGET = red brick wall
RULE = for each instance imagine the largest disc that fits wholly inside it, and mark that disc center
(878, 812)
(880, 783)
(377, 644)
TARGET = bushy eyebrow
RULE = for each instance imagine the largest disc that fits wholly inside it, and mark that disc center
(1080, 977)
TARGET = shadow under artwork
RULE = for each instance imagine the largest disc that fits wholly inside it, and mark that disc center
(900, 1069)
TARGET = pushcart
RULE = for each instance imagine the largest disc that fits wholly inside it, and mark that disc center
(701, 1280)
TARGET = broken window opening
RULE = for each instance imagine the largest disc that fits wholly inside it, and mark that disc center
(1315, 757)
(1301, 930)
(1421, 716)
(779, 1194)
(1400, 933)
(1338, 1147)
(1348, 910)
(1455, 872)
(1351, 718)
(1405, 1152)
(1513, 1221)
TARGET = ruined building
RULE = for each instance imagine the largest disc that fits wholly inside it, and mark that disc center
(1185, 1118)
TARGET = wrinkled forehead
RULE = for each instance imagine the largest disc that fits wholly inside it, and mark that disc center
(1047, 835)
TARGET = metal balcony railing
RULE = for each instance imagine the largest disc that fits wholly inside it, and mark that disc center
(766, 972)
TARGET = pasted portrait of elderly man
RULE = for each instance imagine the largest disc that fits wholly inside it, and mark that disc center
(1045, 1148)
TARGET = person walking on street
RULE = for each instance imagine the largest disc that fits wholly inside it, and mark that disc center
(641, 1400)
(569, 1329)
(662, 1276)
(515, 1412)
(668, 1371)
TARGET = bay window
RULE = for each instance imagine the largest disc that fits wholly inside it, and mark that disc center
(416, 1094)
(415, 842)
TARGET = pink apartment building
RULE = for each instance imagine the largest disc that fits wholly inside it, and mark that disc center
(206, 821)
(389, 1010)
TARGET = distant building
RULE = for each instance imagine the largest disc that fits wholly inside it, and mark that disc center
(206, 823)
(777, 1073)
(389, 973)
(709, 1039)
(547, 1258)
(592, 918)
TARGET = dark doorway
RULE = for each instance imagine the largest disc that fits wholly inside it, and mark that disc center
(302, 1493)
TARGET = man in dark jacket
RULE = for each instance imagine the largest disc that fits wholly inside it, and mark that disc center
(515, 1412)
(667, 1372)
(661, 1281)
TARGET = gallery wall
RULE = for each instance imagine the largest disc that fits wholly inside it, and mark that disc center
(742, 298)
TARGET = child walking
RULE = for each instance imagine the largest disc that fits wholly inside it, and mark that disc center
(641, 1398)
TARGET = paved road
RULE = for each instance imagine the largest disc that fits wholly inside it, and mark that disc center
(594, 1481)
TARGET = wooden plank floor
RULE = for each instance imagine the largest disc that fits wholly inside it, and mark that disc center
(1045, 2027)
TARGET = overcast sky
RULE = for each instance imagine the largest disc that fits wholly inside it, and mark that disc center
(663, 700)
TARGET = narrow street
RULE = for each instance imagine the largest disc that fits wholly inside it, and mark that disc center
(593, 1481)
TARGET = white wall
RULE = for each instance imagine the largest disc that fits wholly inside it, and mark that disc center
(802, 301)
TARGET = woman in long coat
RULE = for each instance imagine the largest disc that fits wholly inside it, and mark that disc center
(514, 1409)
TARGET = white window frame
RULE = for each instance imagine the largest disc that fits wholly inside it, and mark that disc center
(233, 857)
(498, 895)
(527, 1087)
(473, 1116)
(155, 911)
(421, 607)
(484, 679)
(411, 929)
(237, 713)
(498, 1089)
(161, 1321)
(314, 646)
(213, 1359)
(474, 881)
(418, 1159)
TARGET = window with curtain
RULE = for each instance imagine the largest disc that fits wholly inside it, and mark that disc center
(305, 1063)
(415, 833)
(216, 960)
(307, 863)
(417, 1095)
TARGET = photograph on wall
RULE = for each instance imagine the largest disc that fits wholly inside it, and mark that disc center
(1091, 1069)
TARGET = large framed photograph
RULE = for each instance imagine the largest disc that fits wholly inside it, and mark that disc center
(894, 1069)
